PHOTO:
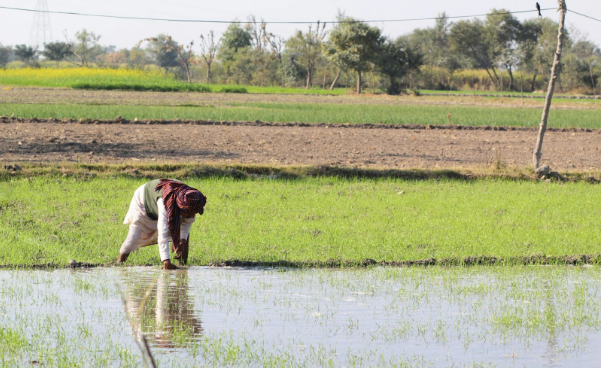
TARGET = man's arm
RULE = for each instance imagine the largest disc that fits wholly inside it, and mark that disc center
(182, 254)
(163, 236)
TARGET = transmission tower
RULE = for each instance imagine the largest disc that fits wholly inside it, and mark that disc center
(41, 31)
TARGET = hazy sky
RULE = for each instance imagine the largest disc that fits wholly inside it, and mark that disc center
(16, 26)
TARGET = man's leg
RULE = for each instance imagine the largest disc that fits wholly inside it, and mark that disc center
(131, 243)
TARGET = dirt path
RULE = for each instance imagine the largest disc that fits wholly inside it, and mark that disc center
(285, 145)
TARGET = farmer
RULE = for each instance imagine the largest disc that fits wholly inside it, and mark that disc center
(161, 209)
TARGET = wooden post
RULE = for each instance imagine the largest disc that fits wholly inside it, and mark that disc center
(522, 97)
(554, 74)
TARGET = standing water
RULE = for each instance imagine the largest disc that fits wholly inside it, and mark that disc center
(492, 316)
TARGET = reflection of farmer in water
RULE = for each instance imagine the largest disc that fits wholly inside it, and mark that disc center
(161, 208)
(167, 313)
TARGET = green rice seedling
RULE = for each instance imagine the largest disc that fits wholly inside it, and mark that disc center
(56, 220)
(317, 113)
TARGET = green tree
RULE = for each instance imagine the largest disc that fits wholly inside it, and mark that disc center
(306, 48)
(265, 51)
(293, 71)
(583, 64)
(56, 51)
(354, 45)
(5, 53)
(163, 55)
(242, 68)
(396, 60)
(137, 58)
(527, 49)
(542, 51)
(433, 44)
(186, 56)
(470, 38)
(503, 35)
(234, 39)
(86, 47)
(25, 53)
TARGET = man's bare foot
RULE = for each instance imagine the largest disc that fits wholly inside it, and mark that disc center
(122, 257)
(167, 265)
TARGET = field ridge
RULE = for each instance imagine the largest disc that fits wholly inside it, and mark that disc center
(119, 120)
(85, 171)
(532, 260)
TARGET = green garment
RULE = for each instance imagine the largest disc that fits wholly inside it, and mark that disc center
(151, 196)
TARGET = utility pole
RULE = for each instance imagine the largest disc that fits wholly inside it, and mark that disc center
(41, 31)
(554, 74)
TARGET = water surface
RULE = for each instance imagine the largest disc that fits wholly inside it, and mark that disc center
(495, 316)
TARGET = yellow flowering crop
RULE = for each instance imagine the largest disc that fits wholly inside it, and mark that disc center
(68, 76)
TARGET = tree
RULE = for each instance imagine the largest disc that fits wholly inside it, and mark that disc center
(584, 63)
(5, 53)
(86, 47)
(527, 49)
(137, 58)
(433, 44)
(469, 38)
(260, 39)
(56, 51)
(209, 48)
(165, 57)
(393, 64)
(503, 34)
(234, 39)
(307, 49)
(451, 64)
(292, 69)
(355, 45)
(185, 54)
(116, 58)
(26, 53)
(243, 67)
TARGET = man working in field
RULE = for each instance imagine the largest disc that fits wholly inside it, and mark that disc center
(161, 208)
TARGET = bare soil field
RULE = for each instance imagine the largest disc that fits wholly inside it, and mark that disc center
(378, 147)
(19, 95)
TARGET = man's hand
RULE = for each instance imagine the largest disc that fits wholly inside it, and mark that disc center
(182, 252)
(167, 265)
(122, 257)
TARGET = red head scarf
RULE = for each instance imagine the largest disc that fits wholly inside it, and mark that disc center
(177, 198)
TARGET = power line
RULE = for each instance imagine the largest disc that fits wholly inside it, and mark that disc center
(269, 22)
(583, 15)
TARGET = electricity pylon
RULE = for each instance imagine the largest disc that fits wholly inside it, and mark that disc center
(41, 31)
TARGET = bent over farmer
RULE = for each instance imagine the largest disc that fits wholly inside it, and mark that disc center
(162, 209)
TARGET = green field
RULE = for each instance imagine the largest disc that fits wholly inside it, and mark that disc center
(131, 79)
(501, 93)
(56, 219)
(317, 113)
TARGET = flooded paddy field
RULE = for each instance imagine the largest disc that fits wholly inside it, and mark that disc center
(255, 317)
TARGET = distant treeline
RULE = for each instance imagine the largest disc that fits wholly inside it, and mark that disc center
(497, 53)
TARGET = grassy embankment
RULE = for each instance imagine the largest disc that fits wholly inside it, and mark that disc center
(51, 220)
(129, 79)
(317, 113)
